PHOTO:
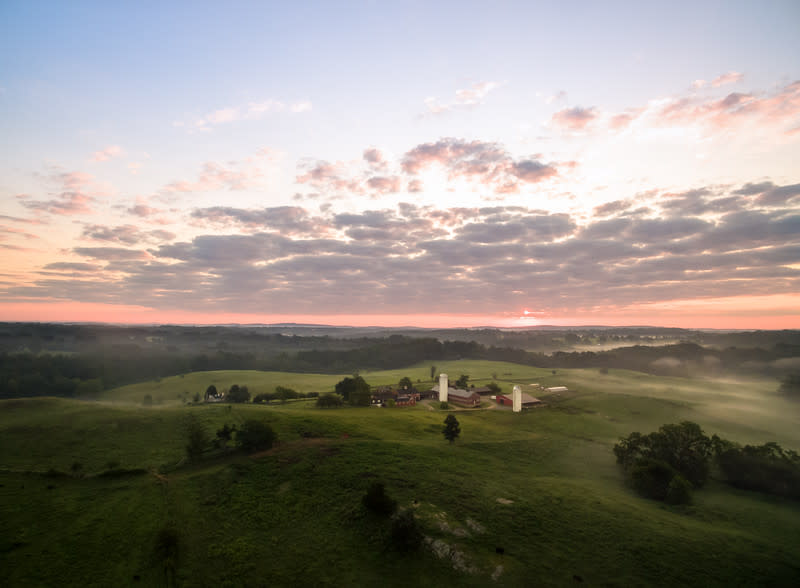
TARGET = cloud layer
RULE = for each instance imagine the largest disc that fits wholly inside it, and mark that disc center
(705, 243)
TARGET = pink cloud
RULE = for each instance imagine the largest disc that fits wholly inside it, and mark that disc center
(108, 153)
(464, 98)
(576, 118)
(484, 162)
(215, 176)
(727, 78)
(76, 193)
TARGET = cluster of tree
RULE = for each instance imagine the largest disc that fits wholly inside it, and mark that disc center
(765, 468)
(252, 435)
(667, 464)
(283, 394)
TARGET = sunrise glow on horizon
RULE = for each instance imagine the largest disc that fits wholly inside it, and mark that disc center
(445, 165)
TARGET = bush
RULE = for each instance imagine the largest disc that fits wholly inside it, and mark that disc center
(329, 400)
(197, 439)
(406, 535)
(443, 406)
(377, 501)
(255, 435)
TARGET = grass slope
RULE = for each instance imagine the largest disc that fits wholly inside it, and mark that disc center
(543, 485)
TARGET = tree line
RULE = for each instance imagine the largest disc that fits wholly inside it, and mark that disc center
(28, 374)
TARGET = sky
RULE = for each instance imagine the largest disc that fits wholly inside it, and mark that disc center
(431, 164)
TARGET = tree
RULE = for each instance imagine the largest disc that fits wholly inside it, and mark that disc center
(329, 400)
(255, 435)
(211, 391)
(406, 383)
(451, 429)
(354, 390)
(494, 387)
(462, 382)
(147, 400)
(433, 372)
(238, 394)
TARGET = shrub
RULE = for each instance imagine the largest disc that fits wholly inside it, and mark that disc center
(443, 406)
(255, 435)
(329, 400)
(197, 439)
(406, 535)
(377, 501)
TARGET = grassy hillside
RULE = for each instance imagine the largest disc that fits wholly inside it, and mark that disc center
(542, 485)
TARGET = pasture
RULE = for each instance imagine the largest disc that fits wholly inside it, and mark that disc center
(541, 485)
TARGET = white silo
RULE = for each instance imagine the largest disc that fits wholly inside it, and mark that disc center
(443, 387)
(516, 397)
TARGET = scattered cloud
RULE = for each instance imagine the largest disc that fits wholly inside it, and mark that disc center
(249, 111)
(464, 98)
(75, 194)
(576, 118)
(486, 163)
(125, 234)
(727, 78)
(111, 152)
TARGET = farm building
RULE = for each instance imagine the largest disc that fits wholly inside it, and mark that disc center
(556, 389)
(463, 397)
(406, 401)
(528, 401)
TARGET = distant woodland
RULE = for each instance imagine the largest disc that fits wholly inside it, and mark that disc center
(82, 360)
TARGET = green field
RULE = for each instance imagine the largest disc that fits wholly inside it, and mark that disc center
(543, 485)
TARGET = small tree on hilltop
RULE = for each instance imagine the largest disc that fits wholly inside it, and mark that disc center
(451, 429)
(433, 372)
(406, 383)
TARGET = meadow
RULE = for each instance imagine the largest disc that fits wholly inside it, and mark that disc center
(542, 485)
